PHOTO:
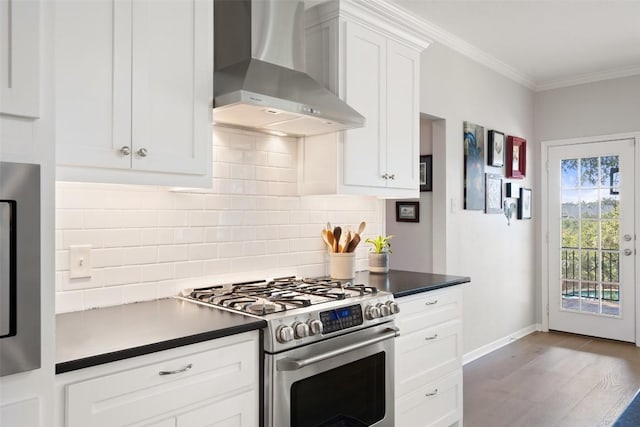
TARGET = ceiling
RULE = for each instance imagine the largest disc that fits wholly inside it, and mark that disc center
(543, 44)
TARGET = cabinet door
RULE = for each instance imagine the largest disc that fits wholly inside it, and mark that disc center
(237, 411)
(93, 82)
(365, 74)
(172, 85)
(403, 116)
(20, 58)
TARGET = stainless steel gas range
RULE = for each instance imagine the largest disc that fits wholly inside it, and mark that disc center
(329, 348)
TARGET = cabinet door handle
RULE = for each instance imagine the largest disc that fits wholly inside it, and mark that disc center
(177, 371)
(432, 337)
(433, 393)
(125, 151)
(385, 176)
(434, 302)
(392, 176)
(143, 152)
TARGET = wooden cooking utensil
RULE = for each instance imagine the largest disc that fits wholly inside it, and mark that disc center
(361, 227)
(337, 233)
(347, 240)
(331, 240)
(325, 239)
(353, 243)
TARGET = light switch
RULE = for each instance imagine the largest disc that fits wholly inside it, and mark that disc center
(79, 261)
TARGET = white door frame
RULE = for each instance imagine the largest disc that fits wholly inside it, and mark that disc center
(544, 226)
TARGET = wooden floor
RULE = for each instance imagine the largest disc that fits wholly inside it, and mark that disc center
(551, 379)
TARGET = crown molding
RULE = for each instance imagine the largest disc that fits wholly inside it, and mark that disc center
(588, 78)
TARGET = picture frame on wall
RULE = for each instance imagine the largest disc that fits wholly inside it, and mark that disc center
(495, 156)
(426, 173)
(408, 211)
(512, 190)
(493, 195)
(516, 157)
(524, 204)
(473, 166)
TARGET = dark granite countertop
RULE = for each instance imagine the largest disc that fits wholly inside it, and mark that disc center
(103, 335)
(402, 283)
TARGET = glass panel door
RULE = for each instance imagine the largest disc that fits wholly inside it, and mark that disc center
(591, 202)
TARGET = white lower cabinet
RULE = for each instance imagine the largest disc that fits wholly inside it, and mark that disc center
(428, 384)
(214, 383)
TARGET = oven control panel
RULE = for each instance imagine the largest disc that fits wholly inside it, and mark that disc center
(341, 318)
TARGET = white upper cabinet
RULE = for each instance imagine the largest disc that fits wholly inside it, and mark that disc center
(373, 63)
(20, 58)
(134, 89)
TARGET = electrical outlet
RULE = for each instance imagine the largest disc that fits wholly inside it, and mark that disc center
(79, 261)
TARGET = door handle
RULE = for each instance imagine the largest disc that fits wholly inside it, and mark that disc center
(628, 252)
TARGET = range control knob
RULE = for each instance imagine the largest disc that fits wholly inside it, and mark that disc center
(301, 330)
(394, 307)
(372, 312)
(315, 326)
(284, 334)
(385, 310)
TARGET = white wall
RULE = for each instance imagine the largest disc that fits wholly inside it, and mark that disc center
(412, 243)
(151, 242)
(499, 259)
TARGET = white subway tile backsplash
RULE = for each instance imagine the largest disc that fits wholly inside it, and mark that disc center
(69, 219)
(203, 252)
(141, 255)
(203, 219)
(189, 235)
(102, 297)
(173, 253)
(151, 242)
(189, 269)
(112, 257)
(157, 272)
(173, 219)
(121, 237)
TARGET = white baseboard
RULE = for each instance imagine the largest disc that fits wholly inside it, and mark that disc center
(501, 342)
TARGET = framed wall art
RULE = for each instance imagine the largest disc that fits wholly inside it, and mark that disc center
(524, 204)
(493, 202)
(512, 189)
(408, 211)
(496, 148)
(473, 166)
(426, 174)
(516, 157)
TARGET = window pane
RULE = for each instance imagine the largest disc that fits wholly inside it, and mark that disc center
(570, 264)
(589, 234)
(609, 166)
(569, 173)
(570, 233)
(570, 203)
(589, 265)
(609, 206)
(610, 229)
(589, 206)
(589, 172)
(610, 267)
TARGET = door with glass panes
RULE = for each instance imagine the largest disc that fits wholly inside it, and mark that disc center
(592, 239)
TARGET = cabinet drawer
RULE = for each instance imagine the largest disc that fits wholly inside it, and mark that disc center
(428, 309)
(436, 404)
(425, 355)
(136, 394)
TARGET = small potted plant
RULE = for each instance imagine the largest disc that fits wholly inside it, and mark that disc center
(379, 254)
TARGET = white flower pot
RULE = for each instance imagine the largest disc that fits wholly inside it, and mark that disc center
(379, 263)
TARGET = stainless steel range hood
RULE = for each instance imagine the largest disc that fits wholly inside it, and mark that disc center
(259, 85)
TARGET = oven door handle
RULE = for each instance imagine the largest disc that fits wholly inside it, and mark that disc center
(288, 364)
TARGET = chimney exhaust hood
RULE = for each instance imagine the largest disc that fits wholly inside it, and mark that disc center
(259, 85)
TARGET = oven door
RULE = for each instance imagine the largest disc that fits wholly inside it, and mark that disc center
(343, 381)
